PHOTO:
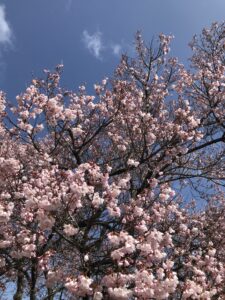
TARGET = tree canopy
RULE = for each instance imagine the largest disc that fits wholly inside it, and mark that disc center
(93, 188)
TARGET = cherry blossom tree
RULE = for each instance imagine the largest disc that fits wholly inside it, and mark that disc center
(93, 188)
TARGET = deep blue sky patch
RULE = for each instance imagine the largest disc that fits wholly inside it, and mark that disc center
(88, 36)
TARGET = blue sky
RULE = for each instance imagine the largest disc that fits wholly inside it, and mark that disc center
(88, 36)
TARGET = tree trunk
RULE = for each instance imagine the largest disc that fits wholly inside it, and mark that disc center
(33, 280)
(20, 284)
(50, 294)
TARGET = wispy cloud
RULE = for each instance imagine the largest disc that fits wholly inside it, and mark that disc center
(68, 5)
(5, 30)
(93, 42)
(100, 47)
(116, 49)
(5, 38)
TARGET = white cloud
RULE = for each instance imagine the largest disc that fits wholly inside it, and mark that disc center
(5, 38)
(93, 43)
(5, 30)
(116, 49)
(98, 46)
